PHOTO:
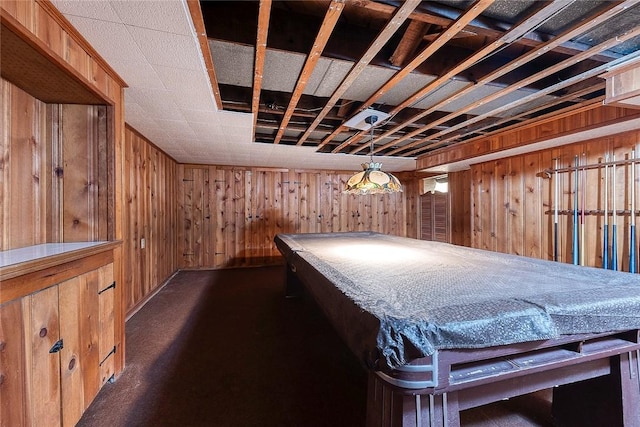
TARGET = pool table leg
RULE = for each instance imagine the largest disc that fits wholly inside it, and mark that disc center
(389, 407)
(293, 285)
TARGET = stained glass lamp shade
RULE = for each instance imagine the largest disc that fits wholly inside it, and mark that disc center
(372, 180)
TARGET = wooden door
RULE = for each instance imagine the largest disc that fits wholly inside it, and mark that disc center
(435, 217)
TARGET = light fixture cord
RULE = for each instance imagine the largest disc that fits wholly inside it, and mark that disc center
(371, 120)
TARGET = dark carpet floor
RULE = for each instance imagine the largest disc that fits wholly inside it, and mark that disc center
(225, 348)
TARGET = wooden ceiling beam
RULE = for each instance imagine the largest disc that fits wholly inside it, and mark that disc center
(542, 74)
(198, 23)
(476, 9)
(326, 29)
(387, 32)
(517, 31)
(532, 39)
(578, 29)
(409, 43)
(261, 49)
(576, 96)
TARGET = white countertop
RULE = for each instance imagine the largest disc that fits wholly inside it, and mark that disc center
(30, 253)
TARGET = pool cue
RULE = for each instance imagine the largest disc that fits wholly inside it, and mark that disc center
(575, 216)
(632, 236)
(555, 212)
(614, 233)
(583, 196)
(605, 227)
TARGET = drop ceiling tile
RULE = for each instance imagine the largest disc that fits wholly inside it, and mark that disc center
(405, 88)
(528, 106)
(175, 126)
(170, 50)
(157, 103)
(207, 131)
(137, 73)
(167, 16)
(101, 10)
(233, 63)
(444, 92)
(369, 81)
(189, 89)
(201, 116)
(119, 46)
(281, 70)
(327, 78)
(232, 118)
(501, 101)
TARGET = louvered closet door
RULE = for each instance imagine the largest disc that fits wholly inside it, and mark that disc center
(435, 217)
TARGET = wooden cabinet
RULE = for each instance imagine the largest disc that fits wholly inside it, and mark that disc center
(61, 136)
(57, 343)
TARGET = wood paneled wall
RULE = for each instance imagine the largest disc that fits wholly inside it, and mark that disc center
(150, 212)
(512, 201)
(228, 216)
(55, 178)
(552, 126)
(23, 155)
(460, 207)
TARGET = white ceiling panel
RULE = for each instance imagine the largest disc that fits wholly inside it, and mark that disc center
(118, 46)
(152, 44)
(167, 49)
(102, 10)
(167, 16)
(137, 73)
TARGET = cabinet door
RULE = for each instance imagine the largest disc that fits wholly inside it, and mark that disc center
(106, 322)
(86, 323)
(43, 373)
(79, 373)
(13, 389)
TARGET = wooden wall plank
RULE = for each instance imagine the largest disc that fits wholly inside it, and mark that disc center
(79, 378)
(24, 153)
(106, 338)
(529, 229)
(152, 208)
(249, 206)
(554, 125)
(13, 388)
(42, 330)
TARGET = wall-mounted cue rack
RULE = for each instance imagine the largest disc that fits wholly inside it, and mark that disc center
(609, 192)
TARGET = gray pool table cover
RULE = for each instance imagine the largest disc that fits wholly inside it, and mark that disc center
(430, 295)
